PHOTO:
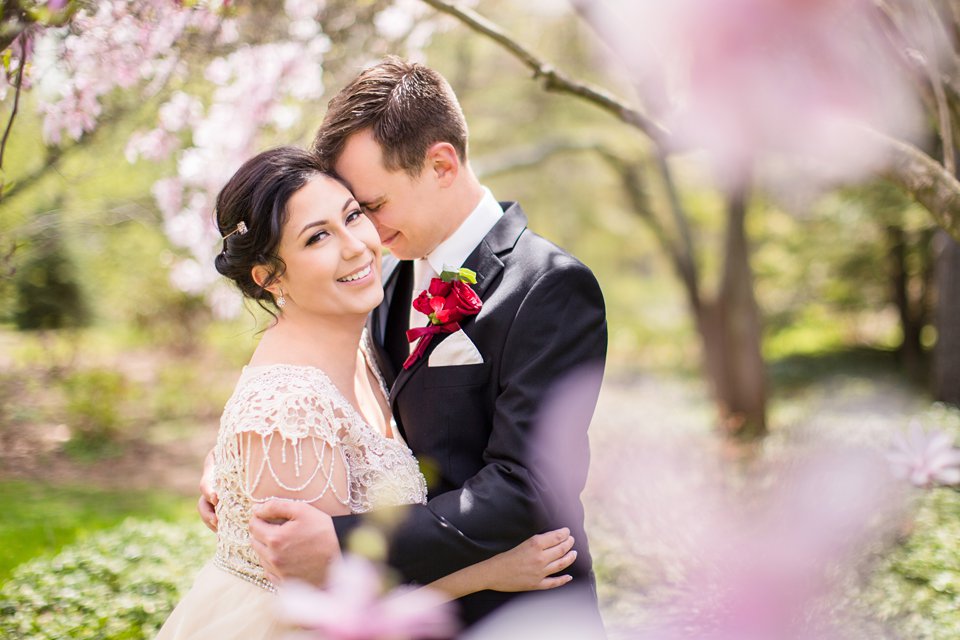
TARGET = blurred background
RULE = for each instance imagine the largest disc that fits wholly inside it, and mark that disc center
(745, 316)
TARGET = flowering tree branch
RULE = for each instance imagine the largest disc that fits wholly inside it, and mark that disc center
(909, 167)
(525, 157)
(925, 179)
(631, 174)
(13, 115)
(552, 78)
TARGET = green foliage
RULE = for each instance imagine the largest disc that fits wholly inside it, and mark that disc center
(39, 519)
(48, 295)
(917, 587)
(119, 584)
(93, 407)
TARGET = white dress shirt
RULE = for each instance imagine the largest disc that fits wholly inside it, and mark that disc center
(454, 251)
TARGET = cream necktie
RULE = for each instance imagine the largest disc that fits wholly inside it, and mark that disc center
(422, 274)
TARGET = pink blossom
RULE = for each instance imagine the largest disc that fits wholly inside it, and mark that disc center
(179, 111)
(168, 193)
(353, 607)
(156, 144)
(725, 555)
(224, 301)
(302, 9)
(75, 114)
(190, 277)
(110, 45)
(749, 78)
(925, 458)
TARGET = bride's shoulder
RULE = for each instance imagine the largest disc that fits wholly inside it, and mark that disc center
(278, 384)
(274, 394)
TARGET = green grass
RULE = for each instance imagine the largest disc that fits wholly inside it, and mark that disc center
(39, 519)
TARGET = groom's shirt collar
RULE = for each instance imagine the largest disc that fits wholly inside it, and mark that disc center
(455, 250)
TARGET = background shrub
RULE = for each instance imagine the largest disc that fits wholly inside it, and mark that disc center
(94, 401)
(119, 584)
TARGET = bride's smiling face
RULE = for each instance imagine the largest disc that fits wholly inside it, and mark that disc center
(331, 251)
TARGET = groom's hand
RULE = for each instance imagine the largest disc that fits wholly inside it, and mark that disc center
(208, 494)
(293, 540)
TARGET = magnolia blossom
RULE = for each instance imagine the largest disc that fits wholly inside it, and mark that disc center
(152, 145)
(109, 45)
(256, 87)
(179, 111)
(926, 459)
(745, 79)
(353, 607)
(722, 555)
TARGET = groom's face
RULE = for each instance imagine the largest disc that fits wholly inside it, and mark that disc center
(403, 209)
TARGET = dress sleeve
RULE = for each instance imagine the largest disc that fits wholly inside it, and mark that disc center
(289, 432)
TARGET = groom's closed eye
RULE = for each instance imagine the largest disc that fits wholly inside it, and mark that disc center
(371, 207)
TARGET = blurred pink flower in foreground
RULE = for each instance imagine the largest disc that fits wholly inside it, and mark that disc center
(926, 459)
(744, 78)
(722, 553)
(353, 607)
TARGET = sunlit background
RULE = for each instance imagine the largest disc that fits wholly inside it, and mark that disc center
(773, 287)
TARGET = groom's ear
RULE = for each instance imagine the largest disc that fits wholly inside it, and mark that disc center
(443, 161)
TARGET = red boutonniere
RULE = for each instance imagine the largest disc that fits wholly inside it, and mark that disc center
(447, 301)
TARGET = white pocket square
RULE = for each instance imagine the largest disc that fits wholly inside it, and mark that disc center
(456, 349)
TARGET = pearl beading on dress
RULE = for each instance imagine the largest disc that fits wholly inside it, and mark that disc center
(280, 406)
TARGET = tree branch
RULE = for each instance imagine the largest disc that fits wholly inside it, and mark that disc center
(936, 81)
(553, 79)
(927, 180)
(909, 167)
(680, 258)
(13, 114)
(526, 157)
(687, 266)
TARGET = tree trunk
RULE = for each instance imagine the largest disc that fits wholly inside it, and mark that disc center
(946, 352)
(911, 313)
(731, 332)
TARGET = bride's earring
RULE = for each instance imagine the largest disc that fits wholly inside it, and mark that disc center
(281, 301)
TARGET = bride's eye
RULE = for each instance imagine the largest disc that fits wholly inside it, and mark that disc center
(317, 237)
(354, 215)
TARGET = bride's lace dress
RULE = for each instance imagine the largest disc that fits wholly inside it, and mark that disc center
(283, 422)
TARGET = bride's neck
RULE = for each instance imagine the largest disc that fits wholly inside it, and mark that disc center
(328, 343)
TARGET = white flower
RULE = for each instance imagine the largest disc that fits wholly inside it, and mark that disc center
(926, 459)
(353, 607)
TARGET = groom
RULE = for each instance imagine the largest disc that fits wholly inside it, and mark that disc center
(467, 408)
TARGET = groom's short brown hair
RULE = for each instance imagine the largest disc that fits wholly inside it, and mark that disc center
(406, 105)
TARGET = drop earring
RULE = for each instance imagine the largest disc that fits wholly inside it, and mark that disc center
(281, 301)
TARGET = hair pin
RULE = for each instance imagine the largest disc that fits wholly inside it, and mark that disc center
(240, 230)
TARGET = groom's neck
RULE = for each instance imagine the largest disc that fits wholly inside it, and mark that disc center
(463, 197)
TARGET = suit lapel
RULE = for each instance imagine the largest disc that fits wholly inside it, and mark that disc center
(487, 263)
(377, 322)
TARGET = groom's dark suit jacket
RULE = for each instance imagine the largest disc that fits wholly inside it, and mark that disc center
(471, 425)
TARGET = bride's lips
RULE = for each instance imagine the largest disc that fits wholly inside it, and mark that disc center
(358, 276)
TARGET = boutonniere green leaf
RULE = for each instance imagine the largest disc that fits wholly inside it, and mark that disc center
(463, 275)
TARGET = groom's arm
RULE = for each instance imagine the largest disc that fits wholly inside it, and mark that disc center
(559, 327)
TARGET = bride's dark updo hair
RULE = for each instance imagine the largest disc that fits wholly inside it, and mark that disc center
(257, 196)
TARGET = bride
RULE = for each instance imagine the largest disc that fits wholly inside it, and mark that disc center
(309, 419)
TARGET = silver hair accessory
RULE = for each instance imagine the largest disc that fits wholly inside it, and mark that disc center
(240, 230)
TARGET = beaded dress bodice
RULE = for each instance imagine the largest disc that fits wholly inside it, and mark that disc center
(285, 409)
